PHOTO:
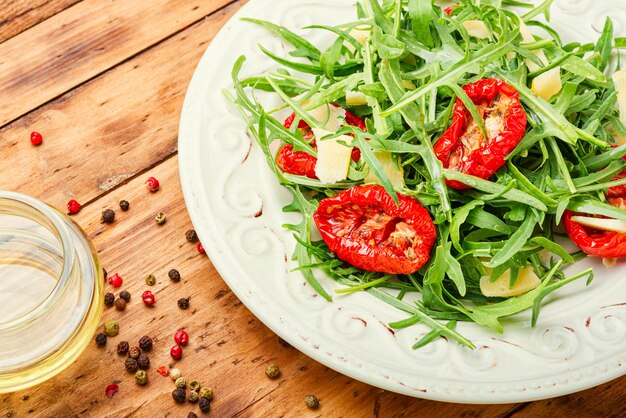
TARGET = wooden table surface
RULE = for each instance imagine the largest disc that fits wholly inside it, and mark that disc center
(104, 82)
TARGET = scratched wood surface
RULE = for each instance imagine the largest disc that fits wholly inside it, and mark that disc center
(104, 82)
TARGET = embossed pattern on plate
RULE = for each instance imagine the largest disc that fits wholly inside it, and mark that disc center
(235, 204)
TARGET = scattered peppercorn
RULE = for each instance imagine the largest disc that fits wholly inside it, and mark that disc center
(120, 304)
(141, 377)
(111, 328)
(176, 352)
(152, 184)
(145, 343)
(124, 205)
(101, 339)
(181, 337)
(311, 401)
(150, 280)
(193, 397)
(192, 415)
(108, 216)
(111, 390)
(36, 138)
(200, 248)
(134, 352)
(206, 393)
(179, 395)
(194, 385)
(162, 370)
(122, 348)
(73, 207)
(160, 218)
(116, 280)
(143, 362)
(283, 343)
(124, 294)
(131, 364)
(204, 405)
(180, 382)
(175, 374)
(183, 303)
(272, 371)
(191, 236)
(109, 299)
(174, 275)
(148, 298)
(104, 273)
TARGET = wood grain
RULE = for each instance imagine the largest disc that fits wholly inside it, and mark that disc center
(106, 131)
(82, 42)
(229, 347)
(18, 15)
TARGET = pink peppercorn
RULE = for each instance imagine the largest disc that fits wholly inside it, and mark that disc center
(111, 390)
(36, 138)
(73, 207)
(116, 280)
(200, 248)
(181, 337)
(152, 184)
(148, 298)
(176, 352)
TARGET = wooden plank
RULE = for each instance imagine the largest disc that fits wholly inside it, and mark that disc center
(82, 42)
(18, 15)
(229, 348)
(106, 131)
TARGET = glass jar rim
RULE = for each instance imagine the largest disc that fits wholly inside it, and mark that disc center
(60, 230)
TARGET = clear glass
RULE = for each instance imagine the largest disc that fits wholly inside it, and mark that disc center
(51, 291)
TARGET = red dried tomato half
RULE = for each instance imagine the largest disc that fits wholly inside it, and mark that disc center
(605, 244)
(302, 163)
(464, 148)
(364, 227)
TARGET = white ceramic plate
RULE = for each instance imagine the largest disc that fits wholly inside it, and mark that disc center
(235, 204)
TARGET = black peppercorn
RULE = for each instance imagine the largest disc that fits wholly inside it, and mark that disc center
(191, 236)
(183, 303)
(143, 362)
(124, 294)
(101, 339)
(145, 343)
(192, 415)
(204, 404)
(104, 273)
(108, 216)
(124, 205)
(109, 299)
(122, 348)
(131, 365)
(179, 395)
(134, 352)
(120, 304)
(174, 275)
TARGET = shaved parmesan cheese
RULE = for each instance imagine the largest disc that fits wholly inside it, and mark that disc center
(333, 158)
(391, 169)
(603, 224)
(361, 35)
(548, 84)
(526, 280)
(355, 98)
(476, 28)
(528, 38)
(619, 78)
(333, 116)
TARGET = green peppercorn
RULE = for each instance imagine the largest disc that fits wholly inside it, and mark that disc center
(160, 218)
(194, 385)
(272, 371)
(109, 299)
(192, 415)
(206, 393)
(111, 328)
(174, 275)
(179, 395)
(124, 294)
(183, 303)
(101, 339)
(120, 304)
(180, 382)
(204, 405)
(108, 216)
(122, 348)
(150, 280)
(134, 352)
(311, 401)
(143, 362)
(124, 205)
(131, 364)
(141, 377)
(193, 397)
(191, 236)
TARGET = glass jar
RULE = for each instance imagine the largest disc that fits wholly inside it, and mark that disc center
(51, 291)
